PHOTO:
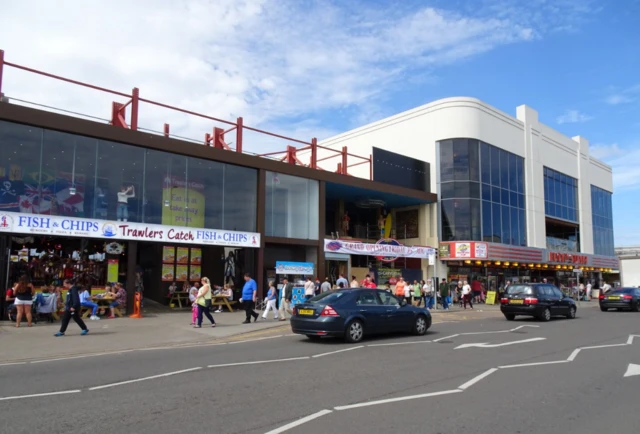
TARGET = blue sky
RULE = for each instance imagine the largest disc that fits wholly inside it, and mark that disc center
(316, 68)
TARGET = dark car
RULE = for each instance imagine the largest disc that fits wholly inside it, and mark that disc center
(539, 300)
(621, 299)
(354, 313)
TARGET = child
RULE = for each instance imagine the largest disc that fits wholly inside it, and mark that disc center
(193, 295)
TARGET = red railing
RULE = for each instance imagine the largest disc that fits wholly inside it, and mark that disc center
(216, 138)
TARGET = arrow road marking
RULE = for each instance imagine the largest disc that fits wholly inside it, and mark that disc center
(504, 344)
(632, 370)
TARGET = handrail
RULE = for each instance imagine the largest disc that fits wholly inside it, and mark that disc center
(214, 139)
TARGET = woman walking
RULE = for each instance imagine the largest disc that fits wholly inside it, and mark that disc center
(23, 293)
(271, 301)
(203, 299)
(417, 293)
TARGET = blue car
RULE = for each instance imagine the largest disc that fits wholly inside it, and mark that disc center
(354, 313)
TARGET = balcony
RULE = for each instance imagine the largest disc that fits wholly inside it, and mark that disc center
(562, 245)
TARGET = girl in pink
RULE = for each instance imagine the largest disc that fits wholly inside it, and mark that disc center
(193, 295)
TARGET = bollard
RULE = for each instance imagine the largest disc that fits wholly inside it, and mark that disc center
(137, 311)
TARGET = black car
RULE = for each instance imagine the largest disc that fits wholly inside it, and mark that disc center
(354, 313)
(540, 300)
(621, 299)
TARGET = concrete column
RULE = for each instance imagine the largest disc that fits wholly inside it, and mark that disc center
(584, 196)
(534, 178)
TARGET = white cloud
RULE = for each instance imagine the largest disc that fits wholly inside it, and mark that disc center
(277, 63)
(623, 96)
(604, 152)
(572, 117)
(625, 163)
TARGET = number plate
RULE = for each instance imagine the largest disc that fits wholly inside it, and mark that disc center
(516, 301)
(614, 298)
(306, 311)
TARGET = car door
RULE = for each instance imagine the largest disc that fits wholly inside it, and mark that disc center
(545, 298)
(399, 317)
(563, 303)
(368, 306)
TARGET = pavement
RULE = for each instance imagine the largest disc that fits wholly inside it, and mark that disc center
(166, 329)
(478, 375)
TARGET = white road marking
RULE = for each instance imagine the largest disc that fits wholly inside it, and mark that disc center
(257, 362)
(476, 379)
(555, 362)
(446, 337)
(299, 422)
(630, 340)
(13, 363)
(83, 356)
(338, 351)
(402, 398)
(38, 395)
(573, 355)
(137, 380)
(178, 347)
(504, 344)
(399, 343)
(486, 333)
(255, 340)
(603, 346)
(523, 326)
(632, 370)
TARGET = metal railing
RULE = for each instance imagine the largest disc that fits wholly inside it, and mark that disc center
(216, 139)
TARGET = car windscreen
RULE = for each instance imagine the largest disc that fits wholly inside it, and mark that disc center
(328, 297)
(519, 290)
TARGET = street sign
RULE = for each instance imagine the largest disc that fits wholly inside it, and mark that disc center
(577, 270)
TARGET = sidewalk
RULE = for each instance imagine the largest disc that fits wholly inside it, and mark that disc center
(121, 334)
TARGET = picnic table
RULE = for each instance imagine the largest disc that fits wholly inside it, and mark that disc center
(103, 303)
(222, 300)
(178, 297)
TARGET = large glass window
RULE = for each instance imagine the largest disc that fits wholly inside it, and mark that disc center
(602, 220)
(54, 173)
(560, 195)
(291, 207)
(472, 170)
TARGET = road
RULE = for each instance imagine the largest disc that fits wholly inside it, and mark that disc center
(459, 378)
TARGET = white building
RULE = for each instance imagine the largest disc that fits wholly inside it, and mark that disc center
(511, 190)
(629, 265)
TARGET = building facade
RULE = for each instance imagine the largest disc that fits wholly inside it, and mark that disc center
(518, 200)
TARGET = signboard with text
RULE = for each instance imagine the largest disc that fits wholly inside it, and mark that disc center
(92, 228)
(297, 268)
(384, 250)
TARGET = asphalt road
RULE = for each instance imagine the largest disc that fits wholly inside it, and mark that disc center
(432, 384)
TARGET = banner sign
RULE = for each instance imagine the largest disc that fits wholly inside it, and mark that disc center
(298, 268)
(92, 228)
(385, 250)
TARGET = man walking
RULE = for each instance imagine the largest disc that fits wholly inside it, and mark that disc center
(309, 289)
(249, 294)
(285, 304)
(72, 309)
(341, 279)
(326, 285)
(444, 294)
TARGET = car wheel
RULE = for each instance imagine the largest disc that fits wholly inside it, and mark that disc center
(314, 337)
(604, 309)
(545, 315)
(509, 316)
(572, 312)
(355, 332)
(420, 327)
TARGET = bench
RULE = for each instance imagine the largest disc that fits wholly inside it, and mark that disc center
(221, 300)
(178, 297)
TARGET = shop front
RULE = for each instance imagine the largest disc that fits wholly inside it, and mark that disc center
(142, 256)
(385, 260)
(495, 264)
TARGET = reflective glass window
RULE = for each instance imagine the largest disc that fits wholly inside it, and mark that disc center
(461, 159)
(446, 160)
(291, 207)
(602, 219)
(560, 192)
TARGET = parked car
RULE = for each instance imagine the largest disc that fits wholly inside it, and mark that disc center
(621, 299)
(540, 300)
(355, 313)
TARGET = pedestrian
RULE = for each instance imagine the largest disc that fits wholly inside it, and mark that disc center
(606, 288)
(272, 295)
(466, 295)
(341, 279)
(193, 296)
(407, 293)
(285, 303)
(23, 293)
(72, 309)
(326, 285)
(428, 295)
(85, 301)
(317, 286)
(417, 293)
(249, 294)
(400, 284)
(309, 288)
(444, 294)
(588, 289)
(458, 293)
(354, 282)
(203, 300)
(476, 290)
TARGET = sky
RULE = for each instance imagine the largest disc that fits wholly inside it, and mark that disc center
(305, 68)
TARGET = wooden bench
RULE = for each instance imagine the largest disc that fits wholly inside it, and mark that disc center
(179, 297)
(221, 300)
